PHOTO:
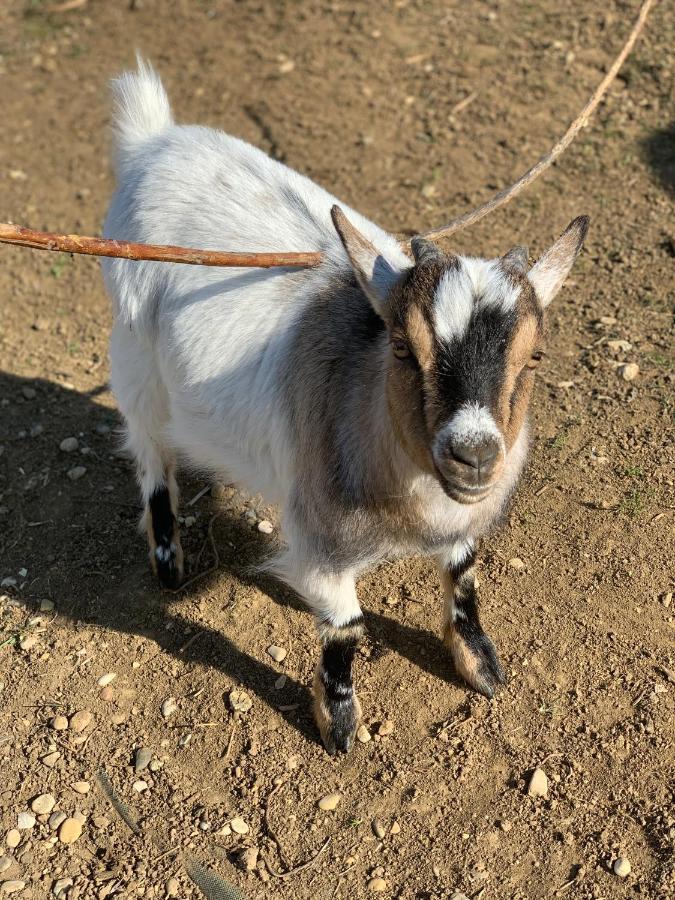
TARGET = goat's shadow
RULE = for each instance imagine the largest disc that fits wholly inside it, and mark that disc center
(85, 553)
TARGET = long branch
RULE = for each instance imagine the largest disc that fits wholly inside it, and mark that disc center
(93, 246)
(549, 158)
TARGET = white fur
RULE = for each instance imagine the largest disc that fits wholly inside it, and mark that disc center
(198, 354)
(471, 425)
(475, 281)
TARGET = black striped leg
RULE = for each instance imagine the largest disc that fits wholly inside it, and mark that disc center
(166, 553)
(336, 708)
(473, 652)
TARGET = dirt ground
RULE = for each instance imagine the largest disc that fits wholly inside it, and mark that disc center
(364, 98)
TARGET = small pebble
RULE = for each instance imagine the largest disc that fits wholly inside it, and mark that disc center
(5, 863)
(81, 787)
(107, 694)
(248, 859)
(395, 828)
(458, 895)
(46, 605)
(240, 701)
(25, 821)
(265, 526)
(378, 828)
(386, 728)
(140, 786)
(28, 643)
(629, 372)
(70, 830)
(76, 472)
(13, 838)
(517, 563)
(68, 445)
(239, 826)
(172, 887)
(105, 680)
(55, 820)
(330, 802)
(538, 786)
(80, 720)
(61, 886)
(59, 723)
(11, 887)
(43, 804)
(280, 682)
(29, 393)
(363, 735)
(156, 765)
(278, 654)
(142, 759)
(169, 707)
(622, 867)
(377, 885)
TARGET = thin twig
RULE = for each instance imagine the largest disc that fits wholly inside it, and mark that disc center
(212, 568)
(300, 868)
(549, 158)
(199, 495)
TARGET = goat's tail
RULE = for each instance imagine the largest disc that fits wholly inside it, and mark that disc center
(141, 108)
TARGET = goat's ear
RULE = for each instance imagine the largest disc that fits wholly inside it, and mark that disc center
(375, 274)
(516, 259)
(548, 275)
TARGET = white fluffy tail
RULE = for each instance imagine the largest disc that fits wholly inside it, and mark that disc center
(141, 108)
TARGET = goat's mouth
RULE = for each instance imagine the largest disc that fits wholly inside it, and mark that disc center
(460, 492)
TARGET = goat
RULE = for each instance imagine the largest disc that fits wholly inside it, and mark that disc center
(380, 401)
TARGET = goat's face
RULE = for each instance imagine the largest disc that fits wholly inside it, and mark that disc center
(465, 337)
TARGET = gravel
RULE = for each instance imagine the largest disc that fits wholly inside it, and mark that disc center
(76, 472)
(70, 830)
(69, 444)
(622, 867)
(43, 804)
(13, 838)
(142, 759)
(25, 821)
(169, 707)
(330, 802)
(538, 786)
(80, 720)
(278, 654)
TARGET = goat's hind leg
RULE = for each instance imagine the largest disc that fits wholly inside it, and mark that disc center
(143, 401)
(473, 652)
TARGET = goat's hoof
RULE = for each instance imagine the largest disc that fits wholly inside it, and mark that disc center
(476, 660)
(337, 720)
(168, 566)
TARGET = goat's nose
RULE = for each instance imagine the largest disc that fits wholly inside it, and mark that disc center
(478, 457)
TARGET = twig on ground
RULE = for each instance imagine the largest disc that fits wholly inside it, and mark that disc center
(212, 568)
(300, 868)
(549, 158)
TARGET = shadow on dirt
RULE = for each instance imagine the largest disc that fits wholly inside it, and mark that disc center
(659, 152)
(79, 541)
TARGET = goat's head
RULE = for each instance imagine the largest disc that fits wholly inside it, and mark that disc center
(465, 337)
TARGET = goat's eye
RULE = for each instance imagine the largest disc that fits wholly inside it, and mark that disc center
(535, 359)
(400, 349)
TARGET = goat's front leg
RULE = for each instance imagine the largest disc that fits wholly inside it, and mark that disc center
(473, 652)
(337, 711)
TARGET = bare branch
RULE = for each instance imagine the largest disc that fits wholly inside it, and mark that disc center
(92, 246)
(549, 158)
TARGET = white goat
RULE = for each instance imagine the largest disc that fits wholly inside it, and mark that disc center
(380, 402)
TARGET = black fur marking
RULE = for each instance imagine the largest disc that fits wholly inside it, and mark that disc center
(336, 676)
(163, 527)
(467, 624)
(471, 367)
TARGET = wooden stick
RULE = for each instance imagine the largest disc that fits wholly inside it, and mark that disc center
(92, 246)
(549, 158)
